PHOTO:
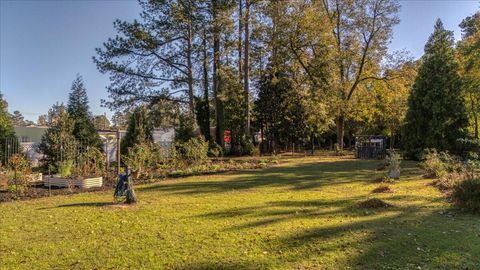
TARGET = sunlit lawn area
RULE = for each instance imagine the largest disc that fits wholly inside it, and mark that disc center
(300, 214)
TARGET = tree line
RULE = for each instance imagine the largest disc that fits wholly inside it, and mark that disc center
(291, 72)
(294, 72)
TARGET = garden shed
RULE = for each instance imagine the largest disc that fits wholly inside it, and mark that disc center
(370, 146)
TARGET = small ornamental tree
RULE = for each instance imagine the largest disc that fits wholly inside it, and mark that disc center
(139, 130)
(58, 142)
(78, 110)
(436, 116)
(21, 167)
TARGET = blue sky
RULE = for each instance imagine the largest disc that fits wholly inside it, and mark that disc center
(44, 44)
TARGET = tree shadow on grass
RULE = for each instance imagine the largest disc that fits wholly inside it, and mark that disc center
(412, 234)
(402, 237)
(84, 204)
(308, 175)
(221, 266)
(405, 240)
(285, 211)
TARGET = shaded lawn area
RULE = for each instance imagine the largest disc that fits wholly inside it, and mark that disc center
(298, 215)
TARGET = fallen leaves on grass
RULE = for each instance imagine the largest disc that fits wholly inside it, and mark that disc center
(383, 189)
(374, 203)
(383, 179)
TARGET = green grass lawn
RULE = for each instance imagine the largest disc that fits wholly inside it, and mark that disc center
(300, 214)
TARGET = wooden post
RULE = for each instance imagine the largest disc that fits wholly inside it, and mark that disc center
(49, 185)
(107, 162)
(118, 151)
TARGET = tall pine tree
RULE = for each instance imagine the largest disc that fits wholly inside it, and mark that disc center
(436, 117)
(84, 130)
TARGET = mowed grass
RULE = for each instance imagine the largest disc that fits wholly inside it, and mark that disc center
(300, 214)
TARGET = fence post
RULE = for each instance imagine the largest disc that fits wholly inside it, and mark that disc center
(16, 182)
(118, 151)
(49, 185)
(106, 157)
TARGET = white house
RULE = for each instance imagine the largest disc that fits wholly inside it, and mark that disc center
(30, 137)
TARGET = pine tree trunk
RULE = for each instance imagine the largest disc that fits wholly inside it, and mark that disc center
(216, 78)
(475, 116)
(246, 67)
(392, 138)
(130, 196)
(274, 38)
(240, 48)
(340, 130)
(312, 140)
(205, 86)
(476, 127)
(191, 98)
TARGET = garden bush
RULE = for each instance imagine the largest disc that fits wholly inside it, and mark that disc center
(249, 149)
(21, 169)
(215, 150)
(3, 180)
(440, 164)
(222, 166)
(192, 152)
(91, 163)
(433, 164)
(65, 168)
(139, 159)
(466, 194)
(449, 170)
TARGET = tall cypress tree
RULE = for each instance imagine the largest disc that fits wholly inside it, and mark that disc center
(139, 130)
(436, 117)
(78, 109)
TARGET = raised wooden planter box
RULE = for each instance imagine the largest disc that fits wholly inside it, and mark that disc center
(81, 183)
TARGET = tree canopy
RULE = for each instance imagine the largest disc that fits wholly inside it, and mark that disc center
(223, 62)
(469, 58)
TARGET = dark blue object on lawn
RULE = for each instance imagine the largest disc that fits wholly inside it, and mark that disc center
(122, 186)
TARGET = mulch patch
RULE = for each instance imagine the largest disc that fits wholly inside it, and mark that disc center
(35, 192)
